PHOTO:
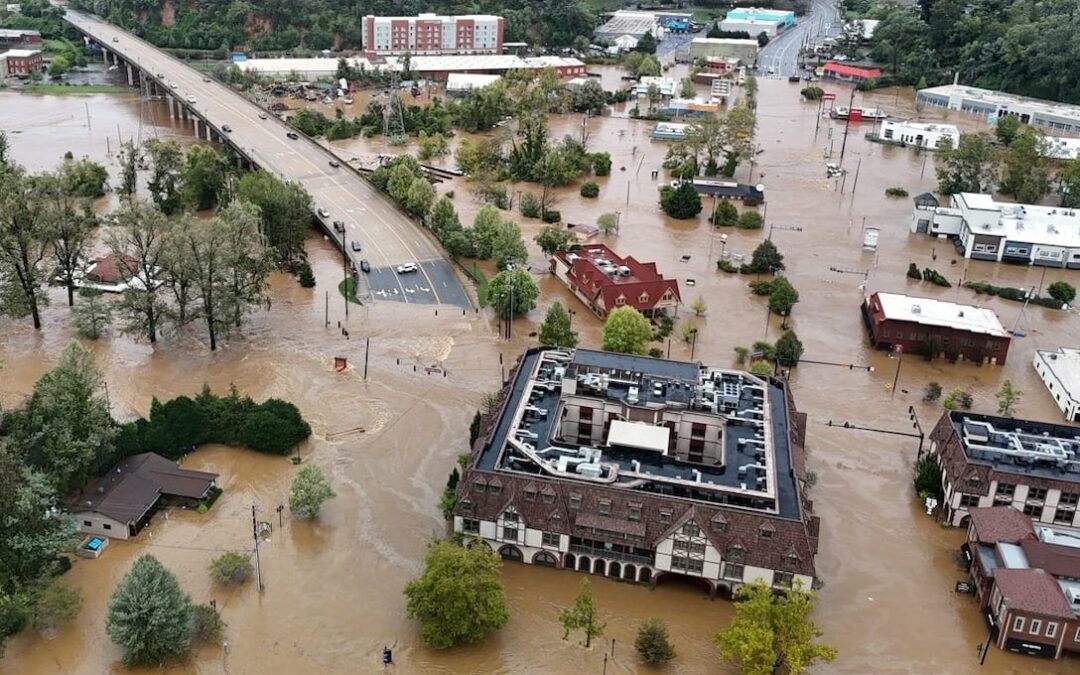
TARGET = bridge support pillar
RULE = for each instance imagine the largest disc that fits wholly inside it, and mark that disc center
(169, 101)
(105, 55)
(198, 132)
(210, 135)
(131, 75)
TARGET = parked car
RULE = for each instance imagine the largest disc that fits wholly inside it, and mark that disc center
(407, 268)
(293, 135)
(323, 213)
(334, 163)
(356, 245)
(226, 128)
(338, 225)
(364, 266)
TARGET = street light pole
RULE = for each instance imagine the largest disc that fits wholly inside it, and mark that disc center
(693, 342)
(345, 272)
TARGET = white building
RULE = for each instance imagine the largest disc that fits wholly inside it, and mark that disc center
(753, 27)
(458, 84)
(634, 24)
(432, 34)
(1047, 115)
(1063, 148)
(668, 86)
(626, 43)
(918, 134)
(1001, 231)
(1060, 372)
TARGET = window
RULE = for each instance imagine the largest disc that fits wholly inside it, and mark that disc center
(1033, 510)
(665, 516)
(1005, 490)
(1036, 626)
(1069, 499)
(688, 564)
(510, 533)
(1076, 638)
(766, 533)
(783, 579)
(466, 506)
(470, 526)
(719, 525)
(107, 526)
(605, 507)
(1064, 516)
(1036, 494)
(1018, 624)
(885, 333)
(87, 523)
(551, 539)
(495, 489)
(575, 502)
(1051, 629)
(530, 494)
(633, 512)
(585, 414)
(968, 501)
(691, 530)
(510, 516)
(733, 571)
(549, 497)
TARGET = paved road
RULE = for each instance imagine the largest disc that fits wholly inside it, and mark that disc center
(389, 237)
(782, 52)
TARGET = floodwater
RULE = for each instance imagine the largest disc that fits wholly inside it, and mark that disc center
(333, 587)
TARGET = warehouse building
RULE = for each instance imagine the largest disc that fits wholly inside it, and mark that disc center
(746, 51)
(634, 24)
(1059, 370)
(1047, 115)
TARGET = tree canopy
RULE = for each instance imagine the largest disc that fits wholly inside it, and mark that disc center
(150, 616)
(458, 599)
(626, 330)
(556, 329)
(308, 491)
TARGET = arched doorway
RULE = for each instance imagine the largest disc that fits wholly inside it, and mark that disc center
(672, 577)
(614, 570)
(545, 559)
(629, 572)
(510, 553)
(569, 561)
(584, 564)
(644, 575)
(598, 567)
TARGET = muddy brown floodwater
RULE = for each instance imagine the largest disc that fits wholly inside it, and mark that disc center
(333, 587)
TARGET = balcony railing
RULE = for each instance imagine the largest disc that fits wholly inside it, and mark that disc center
(614, 555)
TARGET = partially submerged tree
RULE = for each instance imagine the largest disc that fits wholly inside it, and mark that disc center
(138, 246)
(1007, 396)
(93, 314)
(556, 330)
(24, 244)
(231, 568)
(626, 330)
(582, 615)
(150, 616)
(513, 291)
(652, 642)
(308, 491)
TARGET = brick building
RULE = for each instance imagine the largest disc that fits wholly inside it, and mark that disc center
(19, 38)
(642, 469)
(935, 328)
(430, 34)
(1002, 461)
(603, 281)
(22, 61)
(1026, 579)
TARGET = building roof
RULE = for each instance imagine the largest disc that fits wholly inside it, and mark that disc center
(636, 284)
(932, 312)
(926, 199)
(1000, 524)
(744, 42)
(422, 64)
(1032, 591)
(1064, 364)
(1060, 561)
(133, 487)
(1046, 454)
(469, 81)
(106, 269)
(1031, 223)
(17, 33)
(950, 129)
(760, 21)
(430, 16)
(851, 71)
(759, 13)
(635, 24)
(1000, 100)
(20, 53)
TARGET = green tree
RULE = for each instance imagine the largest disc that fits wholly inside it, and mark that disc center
(627, 331)
(699, 306)
(150, 616)
(646, 44)
(83, 178)
(681, 202)
(284, 211)
(1068, 178)
(590, 190)
(507, 246)
(783, 297)
(138, 243)
(203, 177)
(553, 238)
(308, 491)
(129, 163)
(766, 259)
(167, 164)
(789, 349)
(53, 603)
(432, 145)
(652, 642)
(458, 599)
(72, 430)
(58, 66)
(206, 625)
(444, 218)
(513, 286)
(1007, 396)
(231, 568)
(1006, 129)
(93, 314)
(582, 615)
(1062, 291)
(648, 67)
(1025, 170)
(771, 632)
(958, 398)
(419, 197)
(726, 214)
(933, 392)
(24, 243)
(67, 228)
(556, 330)
(608, 223)
(486, 225)
(927, 478)
(969, 167)
(751, 220)
(590, 97)
(687, 88)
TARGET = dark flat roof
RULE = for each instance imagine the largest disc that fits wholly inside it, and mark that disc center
(674, 370)
(1068, 436)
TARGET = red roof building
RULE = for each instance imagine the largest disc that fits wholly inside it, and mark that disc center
(603, 281)
(846, 73)
(995, 524)
(105, 270)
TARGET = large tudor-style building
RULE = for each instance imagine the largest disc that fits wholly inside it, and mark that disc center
(603, 281)
(639, 469)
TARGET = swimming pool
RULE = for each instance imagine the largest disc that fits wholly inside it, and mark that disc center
(94, 544)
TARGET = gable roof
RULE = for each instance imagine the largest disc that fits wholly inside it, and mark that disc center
(1035, 591)
(640, 286)
(995, 524)
(133, 487)
(851, 71)
(1060, 561)
(106, 269)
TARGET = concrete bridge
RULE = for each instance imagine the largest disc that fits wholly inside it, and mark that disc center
(386, 236)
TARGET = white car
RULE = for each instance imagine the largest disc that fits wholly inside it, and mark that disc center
(323, 213)
(407, 268)
(190, 98)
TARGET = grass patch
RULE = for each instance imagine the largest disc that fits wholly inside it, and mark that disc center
(348, 289)
(604, 5)
(481, 284)
(51, 88)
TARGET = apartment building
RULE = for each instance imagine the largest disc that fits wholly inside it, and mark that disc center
(642, 469)
(1001, 461)
(1059, 370)
(432, 35)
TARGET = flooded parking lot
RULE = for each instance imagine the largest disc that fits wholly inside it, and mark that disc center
(333, 595)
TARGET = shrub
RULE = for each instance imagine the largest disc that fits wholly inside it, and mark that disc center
(530, 205)
(751, 220)
(656, 352)
(933, 392)
(231, 568)
(934, 277)
(652, 642)
(913, 272)
(726, 215)
(1062, 291)
(741, 353)
(726, 266)
(812, 93)
(551, 216)
(590, 189)
(306, 276)
(601, 163)
(206, 625)
(682, 202)
(927, 479)
(896, 192)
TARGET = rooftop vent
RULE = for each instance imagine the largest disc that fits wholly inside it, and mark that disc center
(916, 309)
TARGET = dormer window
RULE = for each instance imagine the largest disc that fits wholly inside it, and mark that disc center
(665, 516)
(575, 502)
(767, 531)
(510, 516)
(633, 511)
(605, 507)
(719, 524)
(530, 494)
(736, 553)
(643, 298)
(691, 530)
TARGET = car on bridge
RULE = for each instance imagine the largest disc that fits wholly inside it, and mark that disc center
(226, 128)
(365, 266)
(190, 98)
(293, 135)
(338, 225)
(407, 268)
(356, 246)
(334, 163)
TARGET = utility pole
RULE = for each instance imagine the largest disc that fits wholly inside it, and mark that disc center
(255, 536)
(847, 125)
(367, 353)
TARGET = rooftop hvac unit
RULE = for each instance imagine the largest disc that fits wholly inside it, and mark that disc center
(632, 395)
(916, 309)
(624, 271)
(590, 470)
